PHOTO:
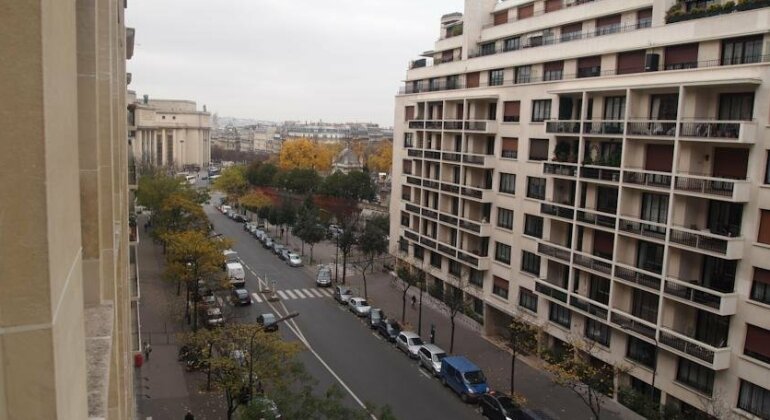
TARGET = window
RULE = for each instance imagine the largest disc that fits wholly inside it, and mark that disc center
(512, 44)
(455, 268)
(559, 314)
(508, 183)
(453, 82)
(511, 111)
(599, 289)
(419, 253)
(607, 199)
(552, 5)
(570, 32)
(404, 219)
(502, 252)
(403, 245)
(649, 256)
(526, 11)
(764, 226)
(538, 149)
(655, 209)
(742, 50)
(754, 399)
(504, 218)
(527, 299)
(496, 77)
(435, 259)
(409, 112)
(757, 343)
(541, 110)
(476, 277)
(523, 74)
(736, 106)
(500, 18)
(533, 226)
(644, 305)
(641, 351)
(472, 80)
(536, 188)
(760, 287)
(597, 331)
(608, 25)
(553, 70)
(695, 376)
(530, 263)
(589, 66)
(678, 57)
(631, 62)
(510, 148)
(500, 287)
(767, 167)
(488, 48)
(644, 18)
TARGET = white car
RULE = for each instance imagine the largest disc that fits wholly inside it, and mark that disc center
(409, 343)
(359, 306)
(294, 260)
(430, 358)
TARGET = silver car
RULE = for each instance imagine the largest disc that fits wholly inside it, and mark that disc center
(324, 277)
(359, 306)
(430, 358)
(409, 343)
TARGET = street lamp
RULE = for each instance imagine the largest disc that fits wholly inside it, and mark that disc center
(251, 350)
(336, 257)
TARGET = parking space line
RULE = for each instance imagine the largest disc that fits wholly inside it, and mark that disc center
(291, 295)
(422, 372)
(377, 336)
(282, 294)
(299, 293)
(256, 297)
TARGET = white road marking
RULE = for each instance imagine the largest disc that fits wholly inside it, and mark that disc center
(281, 294)
(422, 372)
(326, 292)
(299, 293)
(316, 293)
(377, 336)
(291, 295)
(256, 297)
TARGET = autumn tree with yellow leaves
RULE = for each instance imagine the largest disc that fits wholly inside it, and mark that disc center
(382, 159)
(303, 153)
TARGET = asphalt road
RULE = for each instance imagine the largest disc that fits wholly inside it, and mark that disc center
(343, 349)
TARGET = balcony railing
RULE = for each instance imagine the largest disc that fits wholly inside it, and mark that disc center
(562, 127)
(601, 174)
(588, 307)
(474, 159)
(430, 214)
(652, 128)
(719, 302)
(559, 253)
(701, 240)
(474, 227)
(412, 208)
(637, 276)
(447, 250)
(557, 211)
(596, 219)
(414, 153)
(647, 178)
(737, 190)
(453, 125)
(510, 154)
(710, 129)
(411, 235)
(550, 291)
(452, 157)
(593, 263)
(454, 189)
(627, 322)
(433, 125)
(417, 124)
(608, 127)
(643, 228)
(559, 169)
(413, 181)
(718, 357)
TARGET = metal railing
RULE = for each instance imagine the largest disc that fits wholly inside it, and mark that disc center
(634, 276)
(651, 128)
(679, 342)
(596, 219)
(699, 241)
(652, 230)
(723, 188)
(550, 291)
(659, 180)
(629, 323)
(711, 300)
(711, 129)
(551, 251)
(562, 127)
(604, 127)
(601, 174)
(558, 211)
(593, 263)
(559, 169)
(588, 307)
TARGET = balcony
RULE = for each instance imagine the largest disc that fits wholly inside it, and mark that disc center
(557, 211)
(554, 251)
(416, 124)
(643, 228)
(479, 263)
(715, 358)
(454, 189)
(430, 214)
(639, 177)
(590, 308)
(562, 127)
(600, 173)
(565, 170)
(447, 250)
(637, 276)
(714, 130)
(701, 297)
(720, 188)
(480, 229)
(432, 154)
(412, 208)
(593, 263)
(414, 153)
(474, 159)
(481, 126)
(451, 156)
(413, 181)
(630, 323)
(604, 128)
(704, 240)
(596, 219)
(429, 183)
(545, 288)
(433, 125)
(453, 125)
(652, 128)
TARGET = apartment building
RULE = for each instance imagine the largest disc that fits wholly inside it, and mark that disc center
(600, 168)
(67, 308)
(170, 132)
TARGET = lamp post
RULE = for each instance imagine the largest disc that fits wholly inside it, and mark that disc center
(336, 257)
(251, 350)
(419, 314)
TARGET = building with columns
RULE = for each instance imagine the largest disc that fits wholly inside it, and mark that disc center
(170, 132)
(600, 168)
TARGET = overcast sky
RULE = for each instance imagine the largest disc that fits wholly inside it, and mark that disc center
(335, 60)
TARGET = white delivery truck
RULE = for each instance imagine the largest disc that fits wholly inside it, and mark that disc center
(235, 274)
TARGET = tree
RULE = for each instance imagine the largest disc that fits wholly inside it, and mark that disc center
(360, 185)
(309, 228)
(300, 181)
(522, 339)
(590, 379)
(232, 181)
(382, 159)
(454, 299)
(178, 213)
(371, 243)
(303, 153)
(261, 174)
(287, 215)
(156, 186)
(255, 200)
(410, 277)
(345, 242)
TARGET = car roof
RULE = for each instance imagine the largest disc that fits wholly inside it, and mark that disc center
(410, 334)
(433, 348)
(241, 291)
(461, 363)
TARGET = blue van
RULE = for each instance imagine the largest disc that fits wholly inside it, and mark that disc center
(463, 377)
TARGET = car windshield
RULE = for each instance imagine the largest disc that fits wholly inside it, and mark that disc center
(416, 341)
(508, 405)
(363, 303)
(438, 356)
(475, 377)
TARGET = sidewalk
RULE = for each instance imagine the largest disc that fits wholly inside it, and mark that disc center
(166, 391)
(534, 384)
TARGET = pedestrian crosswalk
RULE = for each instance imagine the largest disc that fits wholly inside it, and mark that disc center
(296, 294)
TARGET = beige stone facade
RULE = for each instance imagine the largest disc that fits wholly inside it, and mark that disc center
(600, 168)
(64, 253)
(170, 132)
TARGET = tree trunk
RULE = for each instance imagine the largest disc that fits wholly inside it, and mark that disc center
(366, 295)
(302, 252)
(452, 335)
(403, 306)
(311, 254)
(344, 266)
(513, 371)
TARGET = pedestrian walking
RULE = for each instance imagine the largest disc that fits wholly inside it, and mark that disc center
(147, 351)
(189, 416)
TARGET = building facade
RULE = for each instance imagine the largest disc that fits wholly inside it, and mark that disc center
(171, 132)
(67, 317)
(600, 168)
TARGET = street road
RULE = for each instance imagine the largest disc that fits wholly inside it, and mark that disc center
(342, 348)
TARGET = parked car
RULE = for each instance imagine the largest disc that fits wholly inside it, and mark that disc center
(259, 234)
(285, 252)
(463, 377)
(214, 317)
(248, 226)
(359, 306)
(324, 277)
(499, 407)
(277, 248)
(431, 356)
(294, 260)
(267, 321)
(240, 297)
(208, 301)
(389, 328)
(409, 343)
(268, 243)
(342, 294)
(375, 316)
(240, 218)
(334, 231)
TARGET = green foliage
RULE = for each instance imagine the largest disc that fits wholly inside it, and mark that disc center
(356, 185)
(261, 174)
(300, 181)
(178, 213)
(232, 181)
(155, 186)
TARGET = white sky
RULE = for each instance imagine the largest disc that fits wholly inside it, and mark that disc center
(335, 60)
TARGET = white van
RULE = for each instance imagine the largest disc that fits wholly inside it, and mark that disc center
(235, 271)
(225, 208)
(230, 255)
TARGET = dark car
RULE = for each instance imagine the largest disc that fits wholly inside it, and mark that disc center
(267, 321)
(502, 407)
(240, 297)
(375, 317)
(389, 329)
